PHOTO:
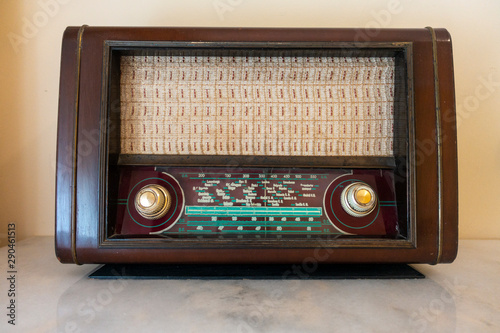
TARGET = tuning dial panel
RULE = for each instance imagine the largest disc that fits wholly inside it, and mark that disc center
(358, 199)
(206, 202)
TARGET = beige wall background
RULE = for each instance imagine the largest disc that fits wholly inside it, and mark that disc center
(30, 46)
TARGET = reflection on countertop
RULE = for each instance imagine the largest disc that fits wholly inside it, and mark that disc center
(53, 297)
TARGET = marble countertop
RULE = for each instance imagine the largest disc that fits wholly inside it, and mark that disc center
(52, 297)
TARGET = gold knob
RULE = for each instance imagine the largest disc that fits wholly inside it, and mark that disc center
(358, 199)
(362, 196)
(152, 201)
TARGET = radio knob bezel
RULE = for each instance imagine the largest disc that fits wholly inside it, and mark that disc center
(156, 209)
(352, 206)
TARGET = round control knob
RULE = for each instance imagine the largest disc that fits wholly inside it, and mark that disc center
(152, 201)
(358, 199)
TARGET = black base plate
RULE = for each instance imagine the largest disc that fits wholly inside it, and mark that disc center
(256, 272)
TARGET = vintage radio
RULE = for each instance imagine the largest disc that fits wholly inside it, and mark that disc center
(225, 145)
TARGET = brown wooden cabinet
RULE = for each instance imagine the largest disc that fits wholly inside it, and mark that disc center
(243, 145)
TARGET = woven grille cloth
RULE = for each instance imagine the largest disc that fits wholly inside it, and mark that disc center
(237, 105)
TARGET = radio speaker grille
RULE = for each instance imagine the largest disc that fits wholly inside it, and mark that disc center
(251, 105)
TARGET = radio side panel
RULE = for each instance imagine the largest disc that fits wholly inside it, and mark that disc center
(449, 147)
(66, 148)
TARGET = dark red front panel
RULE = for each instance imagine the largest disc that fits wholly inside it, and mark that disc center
(208, 202)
